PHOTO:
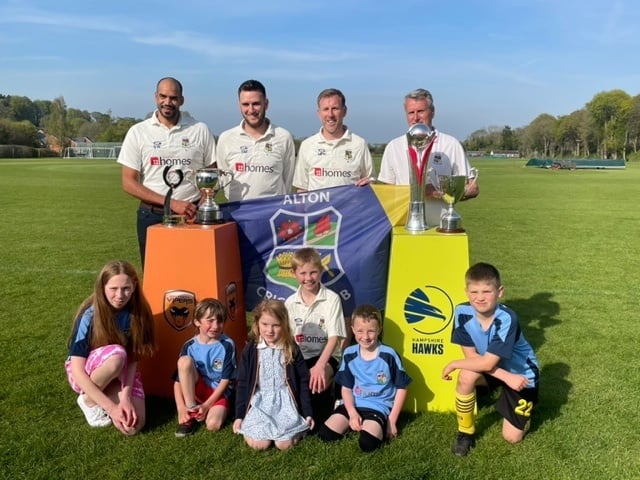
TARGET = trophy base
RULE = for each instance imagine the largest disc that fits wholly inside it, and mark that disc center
(450, 230)
(210, 218)
(173, 220)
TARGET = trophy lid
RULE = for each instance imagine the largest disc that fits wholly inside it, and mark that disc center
(419, 135)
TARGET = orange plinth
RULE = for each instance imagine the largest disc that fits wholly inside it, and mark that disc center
(183, 265)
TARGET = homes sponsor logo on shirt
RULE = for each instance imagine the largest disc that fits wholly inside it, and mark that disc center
(158, 161)
(242, 167)
(331, 172)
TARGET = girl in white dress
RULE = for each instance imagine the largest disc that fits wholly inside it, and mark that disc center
(273, 403)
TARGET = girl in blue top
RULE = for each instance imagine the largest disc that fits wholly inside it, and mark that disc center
(112, 330)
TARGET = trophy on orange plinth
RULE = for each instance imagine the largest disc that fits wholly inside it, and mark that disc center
(208, 181)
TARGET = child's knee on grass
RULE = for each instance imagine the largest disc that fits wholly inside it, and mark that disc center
(512, 434)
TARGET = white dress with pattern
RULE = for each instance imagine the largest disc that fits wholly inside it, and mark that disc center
(272, 413)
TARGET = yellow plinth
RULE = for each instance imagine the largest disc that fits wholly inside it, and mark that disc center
(183, 265)
(426, 281)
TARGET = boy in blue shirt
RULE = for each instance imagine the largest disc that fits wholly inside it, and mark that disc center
(374, 386)
(206, 371)
(495, 354)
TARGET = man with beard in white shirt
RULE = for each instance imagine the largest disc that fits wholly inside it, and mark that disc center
(260, 155)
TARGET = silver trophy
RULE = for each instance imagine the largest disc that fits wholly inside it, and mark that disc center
(208, 181)
(420, 139)
(172, 178)
(452, 187)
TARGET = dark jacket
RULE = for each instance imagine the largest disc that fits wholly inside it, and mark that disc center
(297, 380)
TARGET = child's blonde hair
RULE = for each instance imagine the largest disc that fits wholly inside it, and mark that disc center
(304, 256)
(277, 310)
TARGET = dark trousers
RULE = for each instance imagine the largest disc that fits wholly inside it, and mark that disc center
(146, 218)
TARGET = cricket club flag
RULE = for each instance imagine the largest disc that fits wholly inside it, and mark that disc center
(347, 225)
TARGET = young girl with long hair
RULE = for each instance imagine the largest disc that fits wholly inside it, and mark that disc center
(112, 330)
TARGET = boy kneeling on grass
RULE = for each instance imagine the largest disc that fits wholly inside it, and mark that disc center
(374, 386)
(496, 354)
(206, 371)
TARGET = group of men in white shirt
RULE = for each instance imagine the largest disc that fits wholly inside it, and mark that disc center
(261, 155)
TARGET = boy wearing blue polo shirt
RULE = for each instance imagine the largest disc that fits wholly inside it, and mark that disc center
(374, 386)
(495, 354)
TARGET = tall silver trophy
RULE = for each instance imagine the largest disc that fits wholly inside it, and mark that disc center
(451, 187)
(420, 138)
(208, 181)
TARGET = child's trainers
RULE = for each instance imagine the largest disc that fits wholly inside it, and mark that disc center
(96, 416)
(187, 428)
(462, 444)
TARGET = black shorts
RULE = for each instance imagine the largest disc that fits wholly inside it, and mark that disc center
(365, 414)
(516, 407)
(332, 361)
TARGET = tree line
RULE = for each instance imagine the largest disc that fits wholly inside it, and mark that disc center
(606, 127)
(21, 119)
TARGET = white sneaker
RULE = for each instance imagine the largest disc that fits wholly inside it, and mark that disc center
(96, 416)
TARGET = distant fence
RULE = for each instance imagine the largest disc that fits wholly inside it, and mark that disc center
(22, 151)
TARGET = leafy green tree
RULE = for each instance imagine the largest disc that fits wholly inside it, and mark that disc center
(57, 125)
(509, 140)
(609, 111)
(540, 134)
(18, 133)
(23, 109)
(43, 108)
(117, 131)
(633, 123)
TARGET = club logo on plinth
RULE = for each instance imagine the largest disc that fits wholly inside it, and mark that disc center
(179, 307)
(429, 310)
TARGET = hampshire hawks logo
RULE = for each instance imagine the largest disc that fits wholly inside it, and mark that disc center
(429, 310)
(179, 307)
(292, 231)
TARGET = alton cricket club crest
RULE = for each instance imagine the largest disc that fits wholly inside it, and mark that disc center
(291, 231)
(428, 310)
(179, 307)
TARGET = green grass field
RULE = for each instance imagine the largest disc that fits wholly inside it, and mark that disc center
(566, 243)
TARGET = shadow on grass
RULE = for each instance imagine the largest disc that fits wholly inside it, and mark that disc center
(160, 411)
(535, 314)
(554, 393)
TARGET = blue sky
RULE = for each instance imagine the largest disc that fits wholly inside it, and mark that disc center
(487, 63)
